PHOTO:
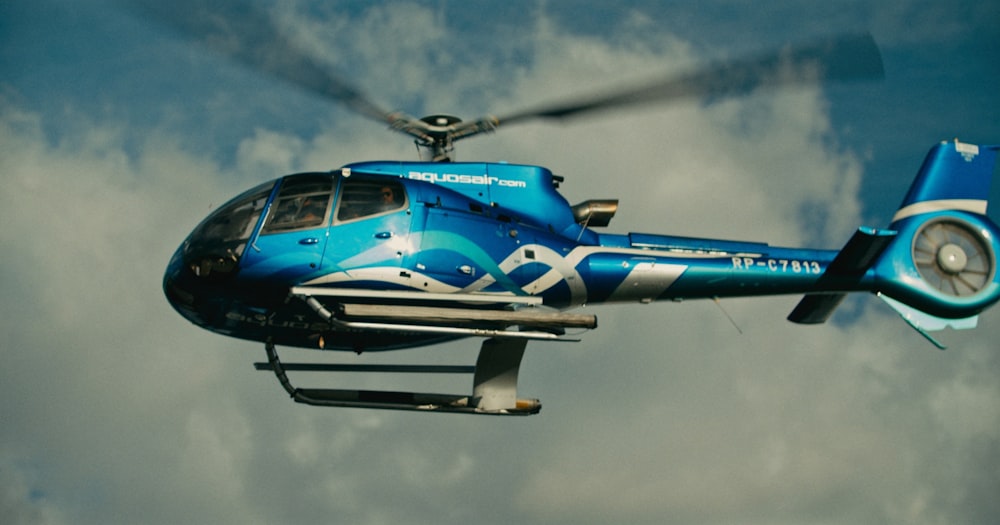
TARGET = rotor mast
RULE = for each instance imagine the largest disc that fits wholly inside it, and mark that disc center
(435, 135)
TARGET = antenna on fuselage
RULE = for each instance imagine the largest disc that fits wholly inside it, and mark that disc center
(725, 313)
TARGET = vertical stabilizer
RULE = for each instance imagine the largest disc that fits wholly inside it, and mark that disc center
(954, 176)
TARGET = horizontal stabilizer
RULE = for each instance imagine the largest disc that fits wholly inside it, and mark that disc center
(816, 308)
(846, 269)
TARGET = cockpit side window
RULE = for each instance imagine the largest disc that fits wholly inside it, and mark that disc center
(367, 196)
(302, 202)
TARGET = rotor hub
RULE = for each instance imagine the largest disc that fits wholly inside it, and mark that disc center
(441, 120)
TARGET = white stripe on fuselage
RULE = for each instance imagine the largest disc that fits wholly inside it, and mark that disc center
(646, 280)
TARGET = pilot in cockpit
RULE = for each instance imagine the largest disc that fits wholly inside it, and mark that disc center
(312, 211)
(388, 199)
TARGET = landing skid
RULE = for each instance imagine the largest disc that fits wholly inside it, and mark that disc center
(494, 389)
(507, 324)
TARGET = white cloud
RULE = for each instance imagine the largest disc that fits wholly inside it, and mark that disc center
(269, 152)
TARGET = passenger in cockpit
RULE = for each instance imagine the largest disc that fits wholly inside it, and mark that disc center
(388, 199)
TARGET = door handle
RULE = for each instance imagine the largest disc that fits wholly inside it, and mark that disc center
(383, 235)
(308, 241)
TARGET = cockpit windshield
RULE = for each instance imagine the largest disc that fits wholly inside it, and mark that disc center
(218, 242)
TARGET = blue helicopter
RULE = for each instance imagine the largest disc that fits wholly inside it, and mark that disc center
(389, 255)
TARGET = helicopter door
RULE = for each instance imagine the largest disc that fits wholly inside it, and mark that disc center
(294, 236)
(370, 232)
(474, 251)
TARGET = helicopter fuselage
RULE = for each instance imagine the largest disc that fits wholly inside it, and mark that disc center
(478, 229)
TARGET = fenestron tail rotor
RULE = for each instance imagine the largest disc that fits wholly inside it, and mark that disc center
(953, 258)
(236, 30)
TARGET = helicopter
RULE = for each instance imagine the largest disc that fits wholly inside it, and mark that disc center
(381, 256)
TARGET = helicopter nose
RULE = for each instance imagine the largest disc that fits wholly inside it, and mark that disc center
(179, 288)
(202, 300)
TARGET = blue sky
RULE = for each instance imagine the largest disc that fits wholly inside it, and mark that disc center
(117, 137)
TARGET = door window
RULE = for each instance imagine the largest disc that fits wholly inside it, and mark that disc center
(303, 202)
(364, 197)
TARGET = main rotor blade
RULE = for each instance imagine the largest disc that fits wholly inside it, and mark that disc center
(842, 58)
(237, 31)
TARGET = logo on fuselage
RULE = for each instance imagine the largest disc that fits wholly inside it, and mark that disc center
(455, 178)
